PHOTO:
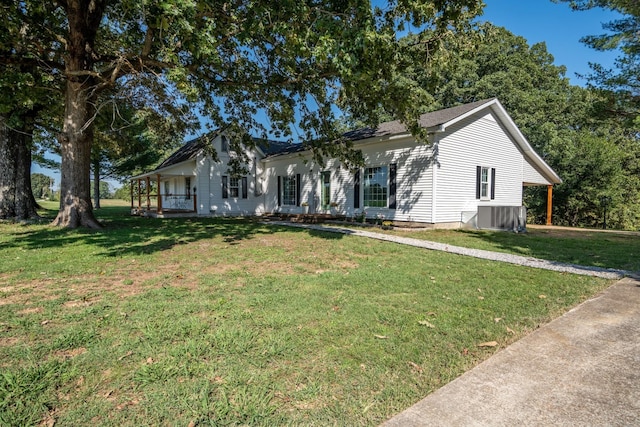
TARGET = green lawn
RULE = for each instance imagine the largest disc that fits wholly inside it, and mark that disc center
(582, 247)
(231, 321)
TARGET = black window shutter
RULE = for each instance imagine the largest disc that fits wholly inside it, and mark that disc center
(225, 187)
(244, 187)
(279, 190)
(356, 190)
(478, 178)
(493, 183)
(393, 171)
(298, 182)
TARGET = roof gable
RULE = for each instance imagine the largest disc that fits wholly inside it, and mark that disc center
(188, 151)
(427, 120)
(191, 149)
(435, 120)
(271, 147)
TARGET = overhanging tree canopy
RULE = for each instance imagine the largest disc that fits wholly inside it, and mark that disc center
(291, 59)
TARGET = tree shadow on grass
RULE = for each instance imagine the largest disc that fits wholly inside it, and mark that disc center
(129, 235)
(589, 248)
(328, 235)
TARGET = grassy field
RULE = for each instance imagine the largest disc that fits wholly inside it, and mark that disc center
(232, 322)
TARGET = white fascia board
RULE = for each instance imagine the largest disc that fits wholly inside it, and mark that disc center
(159, 171)
(524, 145)
(461, 117)
(522, 142)
(285, 156)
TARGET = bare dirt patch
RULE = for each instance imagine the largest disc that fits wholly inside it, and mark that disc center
(4, 278)
(31, 310)
(70, 353)
(185, 266)
(81, 303)
(8, 341)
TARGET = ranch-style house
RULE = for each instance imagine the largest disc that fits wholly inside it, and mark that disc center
(472, 172)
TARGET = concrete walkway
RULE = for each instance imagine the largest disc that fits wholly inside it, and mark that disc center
(582, 369)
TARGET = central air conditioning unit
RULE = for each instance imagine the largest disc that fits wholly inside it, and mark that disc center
(511, 218)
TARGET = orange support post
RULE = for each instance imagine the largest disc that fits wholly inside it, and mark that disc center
(549, 203)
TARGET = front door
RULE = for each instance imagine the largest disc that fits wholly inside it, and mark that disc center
(325, 190)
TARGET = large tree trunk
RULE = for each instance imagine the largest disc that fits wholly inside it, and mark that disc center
(96, 184)
(75, 147)
(8, 154)
(16, 197)
(26, 206)
(83, 18)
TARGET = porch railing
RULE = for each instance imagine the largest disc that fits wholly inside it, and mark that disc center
(182, 202)
(171, 202)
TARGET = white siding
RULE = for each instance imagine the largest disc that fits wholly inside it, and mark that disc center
(476, 141)
(173, 185)
(289, 166)
(182, 169)
(434, 184)
(210, 195)
(532, 175)
(413, 179)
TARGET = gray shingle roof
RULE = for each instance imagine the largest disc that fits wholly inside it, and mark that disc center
(278, 148)
(427, 120)
(188, 151)
(270, 147)
(191, 149)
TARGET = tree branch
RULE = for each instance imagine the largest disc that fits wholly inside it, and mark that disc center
(8, 59)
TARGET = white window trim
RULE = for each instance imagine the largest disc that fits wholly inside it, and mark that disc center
(486, 196)
(363, 183)
(237, 187)
(293, 180)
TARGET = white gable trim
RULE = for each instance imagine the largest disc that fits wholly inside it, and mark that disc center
(161, 171)
(519, 138)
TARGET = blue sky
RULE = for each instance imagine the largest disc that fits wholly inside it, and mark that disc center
(556, 25)
(537, 21)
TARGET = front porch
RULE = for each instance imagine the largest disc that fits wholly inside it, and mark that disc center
(151, 202)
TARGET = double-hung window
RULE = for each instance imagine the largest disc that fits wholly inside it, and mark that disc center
(375, 187)
(289, 190)
(485, 183)
(234, 187)
(325, 189)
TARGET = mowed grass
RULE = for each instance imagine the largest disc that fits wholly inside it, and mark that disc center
(583, 247)
(235, 322)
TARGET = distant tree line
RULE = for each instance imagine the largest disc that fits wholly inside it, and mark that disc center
(42, 188)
